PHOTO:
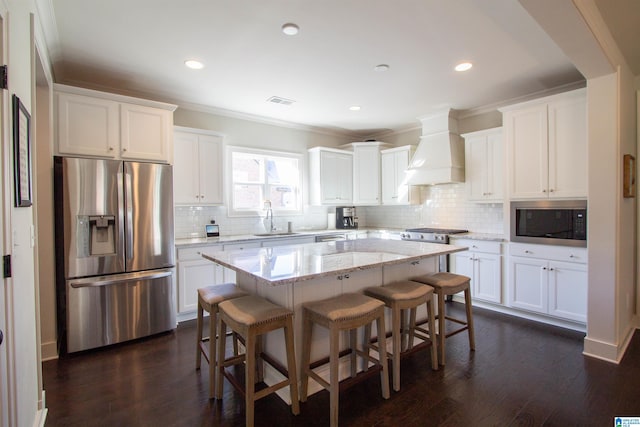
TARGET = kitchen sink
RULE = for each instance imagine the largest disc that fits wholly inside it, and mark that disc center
(277, 233)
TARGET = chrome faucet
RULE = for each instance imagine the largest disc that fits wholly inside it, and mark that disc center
(269, 216)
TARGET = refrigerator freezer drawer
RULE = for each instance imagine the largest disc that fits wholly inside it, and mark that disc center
(111, 309)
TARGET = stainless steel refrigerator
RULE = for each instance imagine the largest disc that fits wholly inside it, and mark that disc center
(114, 251)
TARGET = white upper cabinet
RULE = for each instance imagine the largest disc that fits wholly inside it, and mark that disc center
(331, 176)
(546, 147)
(395, 190)
(484, 165)
(145, 133)
(99, 124)
(198, 167)
(366, 173)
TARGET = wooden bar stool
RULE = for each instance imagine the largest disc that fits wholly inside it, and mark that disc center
(345, 312)
(208, 299)
(251, 317)
(449, 284)
(399, 297)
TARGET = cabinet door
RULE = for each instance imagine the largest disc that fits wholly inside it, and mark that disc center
(366, 175)
(526, 133)
(389, 178)
(495, 167)
(568, 290)
(528, 284)
(186, 187)
(336, 176)
(193, 275)
(476, 167)
(145, 133)
(462, 263)
(568, 147)
(487, 282)
(210, 169)
(87, 126)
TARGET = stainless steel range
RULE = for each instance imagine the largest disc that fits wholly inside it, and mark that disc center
(432, 235)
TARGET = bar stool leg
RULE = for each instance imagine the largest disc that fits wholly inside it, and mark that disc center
(334, 386)
(353, 342)
(306, 357)
(222, 331)
(213, 359)
(382, 355)
(432, 335)
(467, 302)
(250, 377)
(291, 367)
(396, 341)
(199, 340)
(441, 326)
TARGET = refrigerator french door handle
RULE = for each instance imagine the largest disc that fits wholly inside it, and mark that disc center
(119, 278)
(128, 187)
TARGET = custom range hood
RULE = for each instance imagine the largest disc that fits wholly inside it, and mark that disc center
(439, 158)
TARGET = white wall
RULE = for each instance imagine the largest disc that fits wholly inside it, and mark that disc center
(22, 339)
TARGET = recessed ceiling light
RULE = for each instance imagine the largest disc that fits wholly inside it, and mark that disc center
(354, 108)
(381, 67)
(463, 66)
(194, 64)
(290, 29)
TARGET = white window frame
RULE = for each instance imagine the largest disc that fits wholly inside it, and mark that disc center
(231, 212)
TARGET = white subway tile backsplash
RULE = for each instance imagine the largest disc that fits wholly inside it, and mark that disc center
(444, 206)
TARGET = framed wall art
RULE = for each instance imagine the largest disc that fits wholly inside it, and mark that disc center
(21, 153)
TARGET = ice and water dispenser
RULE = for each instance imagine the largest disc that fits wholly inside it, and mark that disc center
(96, 235)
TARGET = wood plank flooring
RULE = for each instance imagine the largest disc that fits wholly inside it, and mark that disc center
(522, 374)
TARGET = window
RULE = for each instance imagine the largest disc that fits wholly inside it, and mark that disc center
(258, 176)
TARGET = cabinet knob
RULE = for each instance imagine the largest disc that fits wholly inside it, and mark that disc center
(551, 269)
(544, 191)
(124, 150)
(544, 268)
(110, 148)
(528, 252)
(551, 190)
(572, 256)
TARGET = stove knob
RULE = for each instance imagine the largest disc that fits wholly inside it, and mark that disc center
(403, 236)
(421, 236)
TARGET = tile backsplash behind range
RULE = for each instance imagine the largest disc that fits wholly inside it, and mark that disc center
(443, 206)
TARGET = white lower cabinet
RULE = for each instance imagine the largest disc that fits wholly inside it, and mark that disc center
(549, 280)
(483, 264)
(195, 272)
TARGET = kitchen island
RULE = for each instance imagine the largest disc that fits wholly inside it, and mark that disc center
(292, 275)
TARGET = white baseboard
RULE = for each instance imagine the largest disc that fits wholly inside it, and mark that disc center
(49, 350)
(608, 352)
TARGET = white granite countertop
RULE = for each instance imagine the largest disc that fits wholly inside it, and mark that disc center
(294, 263)
(479, 236)
(202, 241)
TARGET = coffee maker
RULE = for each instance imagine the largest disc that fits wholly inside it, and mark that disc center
(346, 217)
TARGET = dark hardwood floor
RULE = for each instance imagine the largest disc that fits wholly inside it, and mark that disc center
(521, 374)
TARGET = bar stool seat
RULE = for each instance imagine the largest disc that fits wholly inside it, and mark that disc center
(345, 312)
(251, 317)
(399, 297)
(208, 299)
(445, 284)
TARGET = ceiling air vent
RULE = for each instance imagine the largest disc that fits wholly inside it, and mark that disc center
(280, 101)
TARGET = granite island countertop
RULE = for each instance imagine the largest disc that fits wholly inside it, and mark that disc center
(294, 263)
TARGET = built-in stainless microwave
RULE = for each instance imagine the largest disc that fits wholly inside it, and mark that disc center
(550, 222)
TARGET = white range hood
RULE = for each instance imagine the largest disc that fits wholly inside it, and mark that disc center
(439, 158)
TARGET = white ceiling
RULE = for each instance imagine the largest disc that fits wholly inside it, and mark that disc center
(138, 47)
